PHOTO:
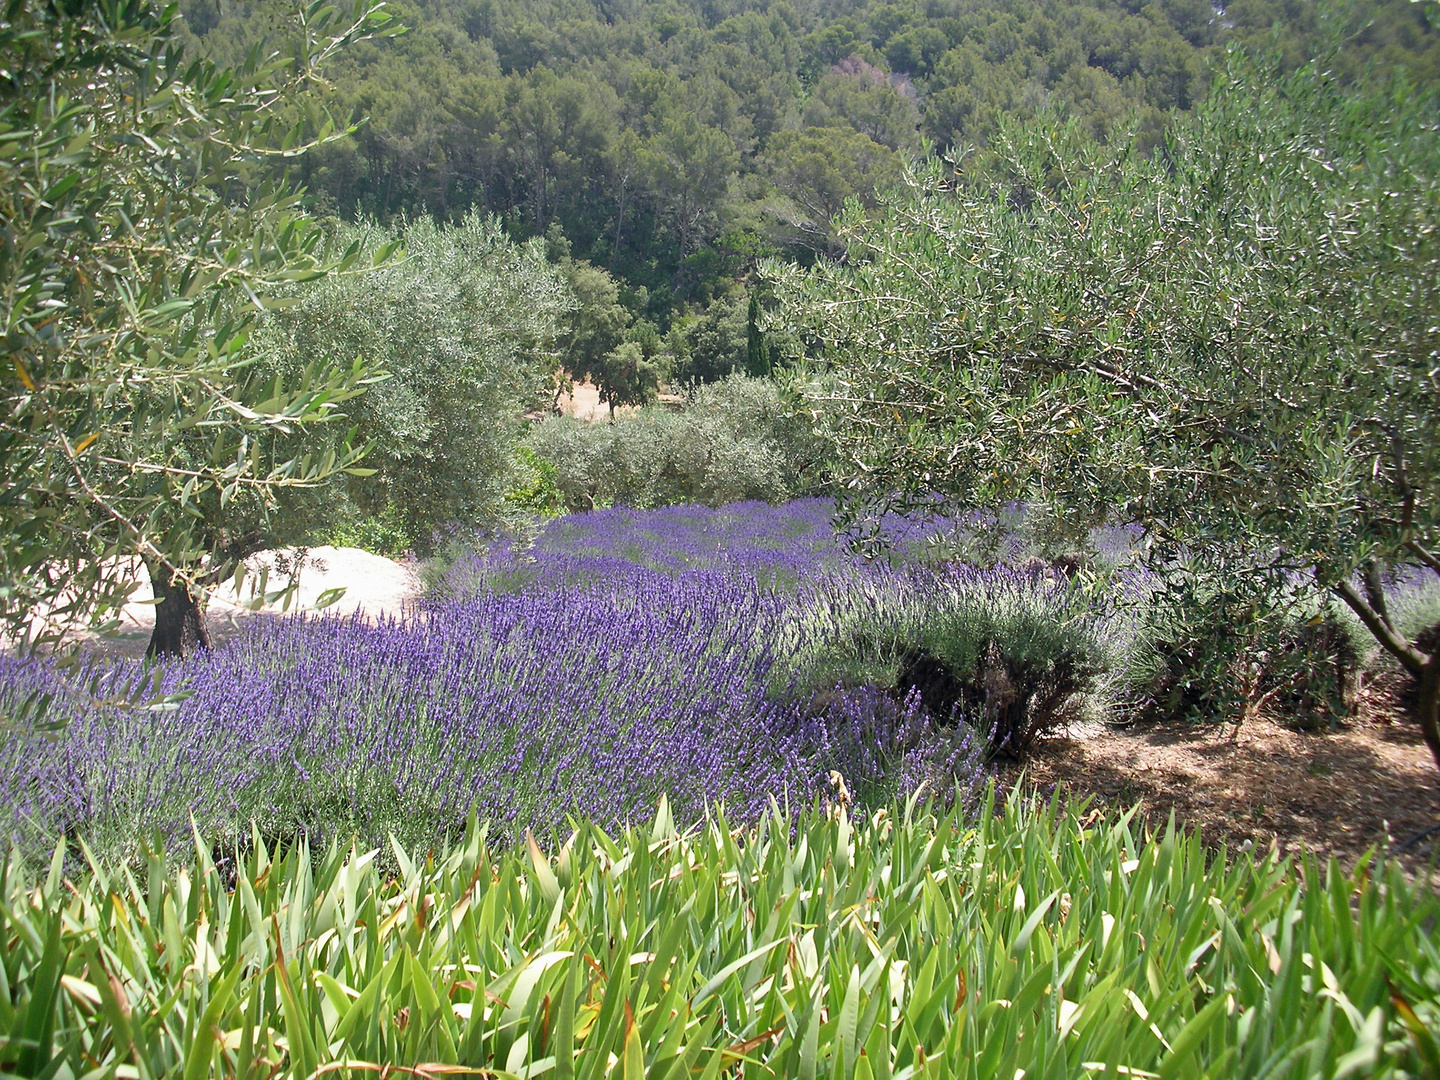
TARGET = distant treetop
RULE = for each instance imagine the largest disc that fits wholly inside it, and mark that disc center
(657, 133)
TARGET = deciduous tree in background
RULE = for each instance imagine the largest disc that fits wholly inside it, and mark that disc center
(597, 325)
(1235, 342)
(814, 171)
(132, 265)
(692, 166)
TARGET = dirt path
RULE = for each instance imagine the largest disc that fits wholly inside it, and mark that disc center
(1371, 783)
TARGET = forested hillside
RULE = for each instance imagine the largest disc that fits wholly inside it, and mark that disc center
(673, 141)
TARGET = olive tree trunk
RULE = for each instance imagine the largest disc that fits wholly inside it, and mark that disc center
(1423, 666)
(1427, 705)
(179, 621)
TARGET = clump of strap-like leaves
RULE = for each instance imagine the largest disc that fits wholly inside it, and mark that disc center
(908, 945)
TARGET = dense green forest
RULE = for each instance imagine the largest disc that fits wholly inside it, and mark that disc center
(672, 142)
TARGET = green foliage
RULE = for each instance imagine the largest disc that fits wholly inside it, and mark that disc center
(859, 97)
(625, 359)
(1012, 654)
(715, 344)
(815, 171)
(132, 267)
(1232, 343)
(464, 327)
(596, 327)
(736, 439)
(628, 375)
(651, 129)
(380, 534)
(537, 490)
(915, 946)
(691, 164)
(1222, 644)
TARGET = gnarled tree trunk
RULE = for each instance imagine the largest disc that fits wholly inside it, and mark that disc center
(1422, 664)
(179, 622)
(1427, 704)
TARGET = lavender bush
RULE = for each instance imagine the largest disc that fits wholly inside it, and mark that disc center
(562, 699)
(1011, 652)
(1013, 648)
(729, 656)
(786, 544)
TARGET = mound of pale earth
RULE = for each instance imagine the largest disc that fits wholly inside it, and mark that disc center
(584, 403)
(1371, 783)
(373, 586)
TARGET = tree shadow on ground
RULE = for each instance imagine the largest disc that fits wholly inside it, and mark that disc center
(1369, 784)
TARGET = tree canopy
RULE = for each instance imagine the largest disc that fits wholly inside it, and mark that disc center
(464, 327)
(132, 265)
(674, 140)
(1234, 342)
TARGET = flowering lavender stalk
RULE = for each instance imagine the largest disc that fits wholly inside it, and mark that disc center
(532, 707)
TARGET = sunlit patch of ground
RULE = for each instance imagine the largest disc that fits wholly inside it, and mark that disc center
(374, 587)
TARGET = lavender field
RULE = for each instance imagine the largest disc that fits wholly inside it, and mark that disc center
(669, 701)
(732, 656)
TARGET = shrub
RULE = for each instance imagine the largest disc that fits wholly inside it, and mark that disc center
(1013, 654)
(535, 490)
(1415, 601)
(528, 707)
(716, 345)
(780, 546)
(884, 746)
(464, 327)
(383, 533)
(735, 440)
(1228, 645)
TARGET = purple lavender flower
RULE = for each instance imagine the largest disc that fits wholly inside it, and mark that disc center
(621, 656)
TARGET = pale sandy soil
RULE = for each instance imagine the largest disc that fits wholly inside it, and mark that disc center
(584, 403)
(374, 587)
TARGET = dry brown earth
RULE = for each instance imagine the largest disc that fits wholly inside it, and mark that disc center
(1371, 783)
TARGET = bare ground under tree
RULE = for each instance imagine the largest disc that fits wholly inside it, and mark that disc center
(1371, 783)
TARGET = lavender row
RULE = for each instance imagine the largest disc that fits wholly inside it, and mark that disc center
(732, 656)
(531, 706)
(787, 544)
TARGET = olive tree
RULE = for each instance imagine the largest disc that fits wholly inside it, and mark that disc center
(133, 263)
(1234, 341)
(464, 328)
